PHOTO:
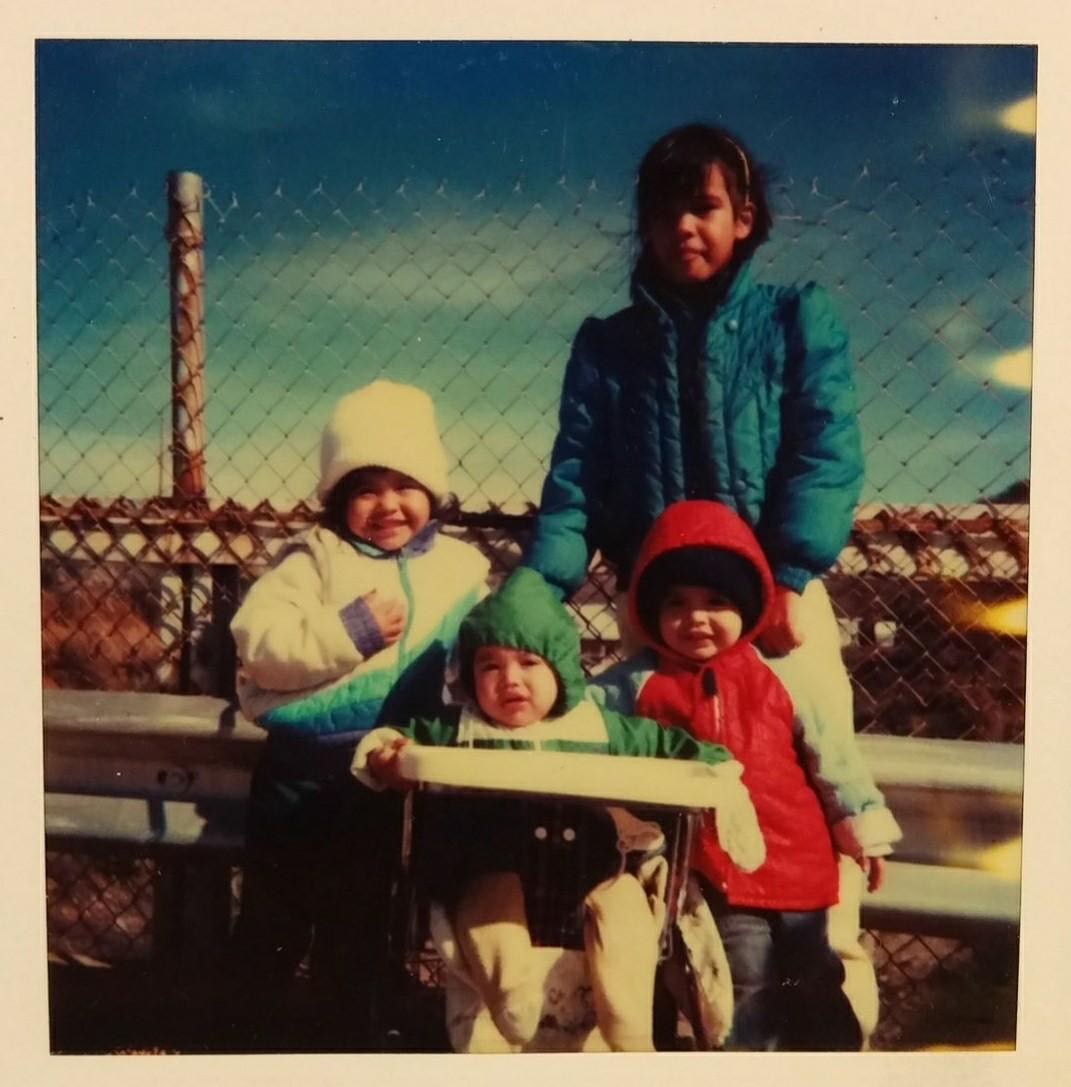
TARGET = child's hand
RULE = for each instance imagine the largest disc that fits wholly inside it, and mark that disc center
(782, 632)
(389, 614)
(383, 765)
(874, 870)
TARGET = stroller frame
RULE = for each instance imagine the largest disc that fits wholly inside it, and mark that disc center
(414, 971)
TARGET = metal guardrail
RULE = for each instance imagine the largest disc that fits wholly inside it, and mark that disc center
(172, 771)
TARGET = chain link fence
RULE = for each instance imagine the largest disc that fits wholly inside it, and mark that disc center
(475, 296)
(112, 911)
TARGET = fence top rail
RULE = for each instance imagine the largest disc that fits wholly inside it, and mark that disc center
(900, 761)
(871, 519)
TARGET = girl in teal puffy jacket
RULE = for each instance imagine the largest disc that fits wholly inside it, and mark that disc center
(712, 386)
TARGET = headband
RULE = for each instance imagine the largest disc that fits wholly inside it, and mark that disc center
(744, 163)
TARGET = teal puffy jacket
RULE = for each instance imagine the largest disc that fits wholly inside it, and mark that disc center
(776, 436)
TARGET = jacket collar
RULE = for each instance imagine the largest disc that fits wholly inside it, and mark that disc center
(647, 290)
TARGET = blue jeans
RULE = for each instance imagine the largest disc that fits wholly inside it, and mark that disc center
(786, 980)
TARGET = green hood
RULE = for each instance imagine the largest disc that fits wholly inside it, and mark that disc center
(525, 614)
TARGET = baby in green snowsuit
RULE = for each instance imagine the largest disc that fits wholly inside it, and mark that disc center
(520, 667)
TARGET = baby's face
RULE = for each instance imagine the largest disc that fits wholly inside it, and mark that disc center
(514, 687)
(698, 622)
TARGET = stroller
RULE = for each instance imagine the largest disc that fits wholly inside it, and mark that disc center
(568, 800)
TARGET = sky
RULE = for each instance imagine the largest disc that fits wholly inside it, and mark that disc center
(448, 213)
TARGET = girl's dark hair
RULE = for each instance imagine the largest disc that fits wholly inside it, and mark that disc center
(336, 504)
(674, 169)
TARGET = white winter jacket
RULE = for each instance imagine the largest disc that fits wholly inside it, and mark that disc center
(311, 661)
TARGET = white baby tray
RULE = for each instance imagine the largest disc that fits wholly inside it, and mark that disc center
(664, 797)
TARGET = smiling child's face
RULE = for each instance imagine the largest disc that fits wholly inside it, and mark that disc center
(387, 508)
(514, 687)
(698, 623)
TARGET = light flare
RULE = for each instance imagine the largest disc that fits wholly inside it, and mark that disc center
(1021, 116)
(1004, 860)
(1014, 368)
(1007, 617)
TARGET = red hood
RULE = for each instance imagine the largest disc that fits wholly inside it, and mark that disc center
(699, 524)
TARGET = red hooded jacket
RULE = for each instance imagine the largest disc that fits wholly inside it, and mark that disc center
(735, 699)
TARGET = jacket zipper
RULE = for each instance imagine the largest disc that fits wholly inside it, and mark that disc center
(407, 591)
(710, 690)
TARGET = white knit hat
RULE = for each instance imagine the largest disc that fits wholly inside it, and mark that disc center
(387, 425)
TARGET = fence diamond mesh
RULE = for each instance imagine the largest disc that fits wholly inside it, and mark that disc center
(475, 296)
(103, 911)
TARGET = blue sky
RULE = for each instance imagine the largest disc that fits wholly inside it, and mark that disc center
(249, 113)
(897, 183)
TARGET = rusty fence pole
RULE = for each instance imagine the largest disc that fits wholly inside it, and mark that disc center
(185, 235)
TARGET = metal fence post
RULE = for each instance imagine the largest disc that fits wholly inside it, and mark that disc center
(185, 234)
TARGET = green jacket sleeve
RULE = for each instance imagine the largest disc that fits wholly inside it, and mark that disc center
(642, 737)
(561, 546)
(818, 476)
(429, 731)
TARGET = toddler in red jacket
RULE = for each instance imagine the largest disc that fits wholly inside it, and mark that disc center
(698, 598)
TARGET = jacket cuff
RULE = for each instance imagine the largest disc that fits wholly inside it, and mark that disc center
(362, 627)
(373, 741)
(871, 833)
(793, 577)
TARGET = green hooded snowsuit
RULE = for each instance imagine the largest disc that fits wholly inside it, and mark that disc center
(477, 835)
(526, 614)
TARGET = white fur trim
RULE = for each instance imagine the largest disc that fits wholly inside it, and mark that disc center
(384, 424)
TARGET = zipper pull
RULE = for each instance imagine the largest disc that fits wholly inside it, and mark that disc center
(407, 596)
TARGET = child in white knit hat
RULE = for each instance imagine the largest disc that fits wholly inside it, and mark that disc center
(352, 625)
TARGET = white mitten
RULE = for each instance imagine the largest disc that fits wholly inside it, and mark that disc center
(738, 828)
